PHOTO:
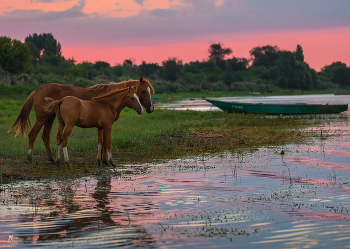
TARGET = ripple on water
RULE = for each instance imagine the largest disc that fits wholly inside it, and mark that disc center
(260, 199)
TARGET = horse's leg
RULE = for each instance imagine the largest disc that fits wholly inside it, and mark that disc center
(107, 155)
(46, 138)
(58, 142)
(99, 146)
(109, 152)
(64, 140)
(32, 136)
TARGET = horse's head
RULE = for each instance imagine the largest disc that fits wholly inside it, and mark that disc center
(145, 91)
(132, 101)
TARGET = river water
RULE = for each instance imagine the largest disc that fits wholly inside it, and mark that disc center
(203, 105)
(261, 199)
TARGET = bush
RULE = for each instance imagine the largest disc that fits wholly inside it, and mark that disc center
(206, 86)
(219, 86)
(82, 82)
(176, 87)
(159, 86)
(323, 84)
(43, 79)
(243, 86)
(194, 88)
(15, 91)
(265, 85)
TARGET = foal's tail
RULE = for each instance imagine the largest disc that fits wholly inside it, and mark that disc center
(53, 106)
(22, 121)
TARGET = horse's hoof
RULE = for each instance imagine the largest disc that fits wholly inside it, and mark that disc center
(68, 165)
(106, 163)
(53, 161)
(58, 163)
(112, 163)
(99, 163)
(30, 158)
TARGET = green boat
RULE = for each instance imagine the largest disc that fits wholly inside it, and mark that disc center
(288, 109)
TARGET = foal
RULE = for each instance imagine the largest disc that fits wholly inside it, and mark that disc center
(100, 112)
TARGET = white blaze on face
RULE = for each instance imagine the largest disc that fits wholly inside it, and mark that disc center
(139, 102)
(150, 96)
(65, 154)
(99, 149)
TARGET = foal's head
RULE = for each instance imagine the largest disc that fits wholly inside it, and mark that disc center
(132, 101)
(145, 91)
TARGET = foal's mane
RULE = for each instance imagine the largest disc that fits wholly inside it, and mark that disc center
(120, 85)
(115, 91)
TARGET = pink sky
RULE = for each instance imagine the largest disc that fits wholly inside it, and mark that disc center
(155, 30)
(321, 47)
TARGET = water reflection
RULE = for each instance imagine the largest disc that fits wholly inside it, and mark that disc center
(102, 190)
(256, 199)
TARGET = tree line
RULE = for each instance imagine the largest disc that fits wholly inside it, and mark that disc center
(268, 69)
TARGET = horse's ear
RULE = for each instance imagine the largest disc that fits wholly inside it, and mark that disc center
(141, 79)
(147, 79)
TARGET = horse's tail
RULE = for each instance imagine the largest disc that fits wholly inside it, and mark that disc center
(54, 106)
(51, 104)
(22, 121)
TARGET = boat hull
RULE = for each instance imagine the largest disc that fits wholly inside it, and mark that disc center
(299, 108)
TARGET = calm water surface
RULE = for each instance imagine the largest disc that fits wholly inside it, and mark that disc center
(203, 105)
(261, 199)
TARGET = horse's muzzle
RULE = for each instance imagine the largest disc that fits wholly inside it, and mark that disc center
(150, 109)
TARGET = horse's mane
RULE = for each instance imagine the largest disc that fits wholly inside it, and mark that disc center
(150, 86)
(116, 91)
(120, 85)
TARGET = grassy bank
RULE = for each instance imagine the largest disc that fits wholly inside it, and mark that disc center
(162, 134)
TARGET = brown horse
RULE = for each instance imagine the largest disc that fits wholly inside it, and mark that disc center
(100, 112)
(57, 91)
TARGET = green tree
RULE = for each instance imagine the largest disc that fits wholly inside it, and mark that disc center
(43, 45)
(171, 69)
(229, 77)
(330, 70)
(101, 65)
(78, 71)
(118, 70)
(217, 53)
(84, 70)
(265, 56)
(127, 62)
(15, 56)
(341, 76)
(238, 64)
(299, 54)
(148, 69)
(192, 67)
(294, 74)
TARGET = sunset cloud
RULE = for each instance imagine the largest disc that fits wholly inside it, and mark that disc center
(48, 1)
(188, 22)
(140, 2)
(105, 23)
